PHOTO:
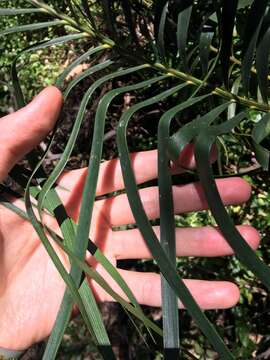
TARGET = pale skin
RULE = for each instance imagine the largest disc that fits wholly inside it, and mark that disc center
(31, 289)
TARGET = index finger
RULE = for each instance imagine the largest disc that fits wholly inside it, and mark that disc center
(144, 165)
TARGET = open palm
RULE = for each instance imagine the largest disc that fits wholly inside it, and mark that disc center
(31, 289)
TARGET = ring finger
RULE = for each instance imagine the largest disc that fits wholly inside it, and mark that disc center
(200, 241)
(146, 287)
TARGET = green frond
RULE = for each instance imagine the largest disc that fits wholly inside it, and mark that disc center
(190, 57)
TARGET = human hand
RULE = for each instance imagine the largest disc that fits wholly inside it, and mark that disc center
(28, 278)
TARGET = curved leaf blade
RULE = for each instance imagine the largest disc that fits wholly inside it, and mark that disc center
(11, 12)
(148, 234)
(32, 27)
(259, 133)
(182, 34)
(253, 26)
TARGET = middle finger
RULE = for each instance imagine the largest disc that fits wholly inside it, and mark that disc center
(187, 198)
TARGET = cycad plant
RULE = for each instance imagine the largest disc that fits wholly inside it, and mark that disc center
(191, 56)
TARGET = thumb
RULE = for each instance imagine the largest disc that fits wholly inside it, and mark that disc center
(21, 131)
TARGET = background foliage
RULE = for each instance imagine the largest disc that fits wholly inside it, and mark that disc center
(247, 325)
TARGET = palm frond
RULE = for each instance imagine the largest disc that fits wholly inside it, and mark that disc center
(186, 54)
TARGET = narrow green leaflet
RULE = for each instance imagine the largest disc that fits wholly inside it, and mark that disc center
(167, 269)
(157, 9)
(189, 131)
(53, 204)
(100, 118)
(89, 192)
(259, 133)
(97, 328)
(88, 13)
(161, 33)
(251, 34)
(32, 27)
(10, 11)
(85, 74)
(93, 274)
(57, 262)
(67, 226)
(42, 45)
(129, 20)
(66, 306)
(67, 229)
(109, 17)
(75, 10)
(234, 90)
(70, 144)
(262, 62)
(182, 34)
(242, 250)
(92, 310)
(167, 229)
(229, 10)
(206, 37)
(78, 61)
(73, 136)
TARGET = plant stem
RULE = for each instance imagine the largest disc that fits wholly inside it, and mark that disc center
(49, 10)
(252, 104)
(216, 91)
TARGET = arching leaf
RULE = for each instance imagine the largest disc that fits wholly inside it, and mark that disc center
(260, 132)
(229, 9)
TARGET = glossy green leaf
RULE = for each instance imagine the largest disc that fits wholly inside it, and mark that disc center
(262, 60)
(167, 230)
(161, 33)
(78, 61)
(89, 192)
(242, 250)
(157, 9)
(109, 16)
(20, 102)
(204, 47)
(10, 11)
(189, 131)
(93, 274)
(167, 269)
(32, 27)
(131, 24)
(229, 10)
(252, 30)
(260, 132)
(182, 34)
(84, 75)
(88, 13)
(96, 151)
(57, 262)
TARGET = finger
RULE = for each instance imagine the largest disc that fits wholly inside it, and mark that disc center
(187, 198)
(186, 159)
(144, 165)
(23, 130)
(146, 287)
(201, 241)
